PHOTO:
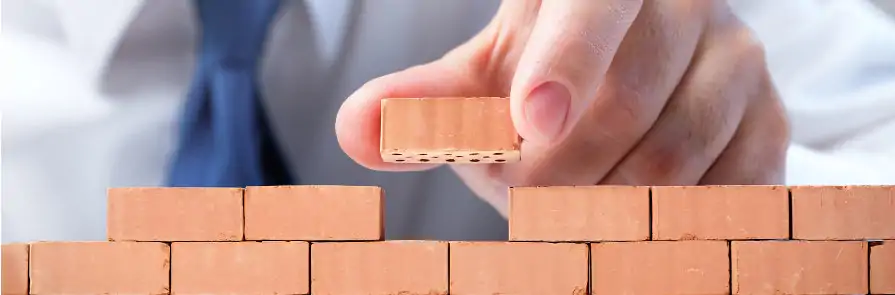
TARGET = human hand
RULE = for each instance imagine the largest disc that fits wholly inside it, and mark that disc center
(623, 92)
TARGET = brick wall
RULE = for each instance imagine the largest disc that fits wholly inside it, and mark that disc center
(563, 240)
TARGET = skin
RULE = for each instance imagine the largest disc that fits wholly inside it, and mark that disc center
(609, 92)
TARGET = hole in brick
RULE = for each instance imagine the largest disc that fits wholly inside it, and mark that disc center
(447, 154)
(435, 157)
(396, 154)
(459, 156)
(424, 154)
(498, 154)
(399, 160)
(486, 157)
(500, 160)
(473, 154)
(424, 160)
(451, 160)
(474, 160)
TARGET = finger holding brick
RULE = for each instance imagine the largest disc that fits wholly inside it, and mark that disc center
(100, 268)
(175, 214)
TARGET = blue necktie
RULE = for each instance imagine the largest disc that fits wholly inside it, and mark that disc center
(225, 140)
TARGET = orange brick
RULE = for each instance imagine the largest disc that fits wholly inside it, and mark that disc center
(882, 267)
(15, 269)
(660, 267)
(518, 268)
(388, 267)
(843, 212)
(799, 267)
(100, 268)
(175, 214)
(240, 268)
(448, 130)
(314, 213)
(579, 213)
(720, 212)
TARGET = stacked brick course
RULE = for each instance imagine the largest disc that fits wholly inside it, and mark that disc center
(563, 240)
(566, 240)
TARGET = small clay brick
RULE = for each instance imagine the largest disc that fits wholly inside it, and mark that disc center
(720, 212)
(518, 268)
(15, 269)
(799, 267)
(579, 213)
(175, 214)
(448, 130)
(660, 267)
(387, 267)
(100, 268)
(240, 268)
(843, 212)
(882, 267)
(314, 213)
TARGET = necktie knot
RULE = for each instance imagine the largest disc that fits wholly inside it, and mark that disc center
(234, 31)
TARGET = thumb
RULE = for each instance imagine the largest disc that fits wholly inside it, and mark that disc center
(564, 61)
(358, 119)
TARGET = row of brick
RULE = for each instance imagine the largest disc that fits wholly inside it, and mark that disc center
(435, 267)
(560, 214)
(630, 213)
(269, 213)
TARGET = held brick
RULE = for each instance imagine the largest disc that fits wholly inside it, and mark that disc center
(15, 269)
(579, 213)
(799, 267)
(314, 213)
(100, 268)
(175, 214)
(448, 130)
(843, 212)
(720, 212)
(518, 268)
(387, 267)
(882, 267)
(660, 267)
(240, 268)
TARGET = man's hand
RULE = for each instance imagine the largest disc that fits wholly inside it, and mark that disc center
(626, 92)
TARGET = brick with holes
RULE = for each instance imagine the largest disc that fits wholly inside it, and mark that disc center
(15, 269)
(448, 130)
(579, 213)
(799, 267)
(843, 212)
(240, 268)
(100, 268)
(882, 267)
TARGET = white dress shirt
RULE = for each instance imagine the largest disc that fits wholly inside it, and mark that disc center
(91, 91)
